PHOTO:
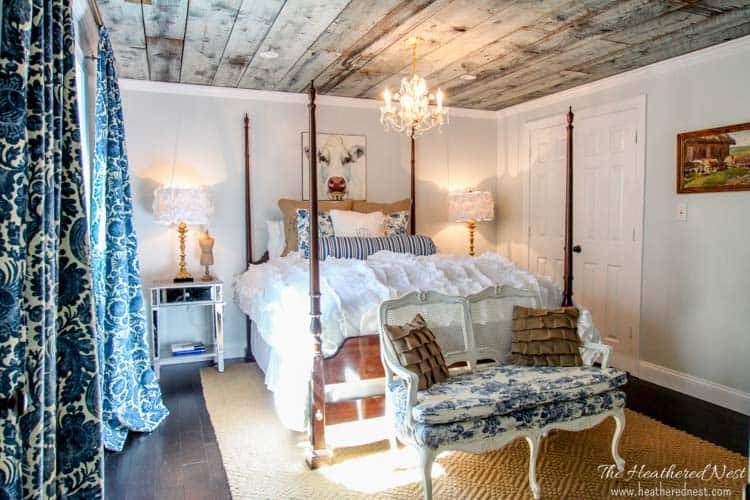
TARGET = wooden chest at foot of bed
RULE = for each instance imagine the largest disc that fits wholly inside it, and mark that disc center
(354, 381)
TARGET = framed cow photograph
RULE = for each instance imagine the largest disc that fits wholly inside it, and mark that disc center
(342, 166)
(716, 159)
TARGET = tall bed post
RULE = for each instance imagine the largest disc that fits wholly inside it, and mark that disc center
(317, 452)
(567, 295)
(248, 233)
(413, 186)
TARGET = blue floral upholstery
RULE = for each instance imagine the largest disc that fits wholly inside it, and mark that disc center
(502, 389)
(436, 436)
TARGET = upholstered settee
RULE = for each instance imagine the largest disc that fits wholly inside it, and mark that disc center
(484, 406)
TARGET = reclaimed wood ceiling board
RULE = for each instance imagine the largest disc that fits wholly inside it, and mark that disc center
(518, 50)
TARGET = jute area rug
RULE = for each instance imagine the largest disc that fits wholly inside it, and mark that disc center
(264, 460)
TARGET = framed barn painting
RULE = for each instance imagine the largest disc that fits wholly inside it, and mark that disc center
(716, 159)
(342, 166)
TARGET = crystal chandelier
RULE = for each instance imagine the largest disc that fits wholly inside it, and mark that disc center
(414, 113)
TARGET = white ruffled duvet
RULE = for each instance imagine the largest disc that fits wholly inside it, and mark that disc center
(275, 296)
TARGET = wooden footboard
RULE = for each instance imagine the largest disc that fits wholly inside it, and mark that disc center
(345, 387)
(354, 381)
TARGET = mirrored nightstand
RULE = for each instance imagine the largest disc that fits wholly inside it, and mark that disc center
(169, 295)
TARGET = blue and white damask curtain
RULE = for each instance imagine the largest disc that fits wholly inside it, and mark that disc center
(131, 398)
(51, 446)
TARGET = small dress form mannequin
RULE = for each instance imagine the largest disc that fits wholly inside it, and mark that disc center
(207, 255)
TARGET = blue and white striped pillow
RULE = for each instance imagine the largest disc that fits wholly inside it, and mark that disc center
(344, 247)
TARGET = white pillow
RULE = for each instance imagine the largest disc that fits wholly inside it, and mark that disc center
(351, 223)
(276, 240)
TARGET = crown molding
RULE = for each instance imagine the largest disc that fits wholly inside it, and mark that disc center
(274, 96)
(722, 50)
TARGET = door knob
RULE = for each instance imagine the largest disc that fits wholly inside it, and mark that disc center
(577, 249)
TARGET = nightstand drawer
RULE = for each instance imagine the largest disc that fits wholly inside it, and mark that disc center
(189, 294)
(176, 295)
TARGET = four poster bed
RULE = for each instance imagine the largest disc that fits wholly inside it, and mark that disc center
(332, 368)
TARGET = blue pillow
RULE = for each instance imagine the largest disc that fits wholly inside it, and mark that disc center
(325, 229)
(397, 223)
(346, 247)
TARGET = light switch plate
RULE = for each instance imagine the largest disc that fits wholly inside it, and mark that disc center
(682, 212)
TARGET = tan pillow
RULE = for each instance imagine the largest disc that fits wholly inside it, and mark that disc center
(289, 215)
(545, 337)
(418, 351)
(386, 208)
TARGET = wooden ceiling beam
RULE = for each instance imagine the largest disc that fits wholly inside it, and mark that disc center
(591, 32)
(713, 30)
(125, 24)
(209, 26)
(453, 22)
(164, 24)
(522, 23)
(354, 22)
(388, 31)
(518, 49)
(297, 27)
(253, 22)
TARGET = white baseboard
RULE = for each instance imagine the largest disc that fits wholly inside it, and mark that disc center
(718, 394)
(234, 351)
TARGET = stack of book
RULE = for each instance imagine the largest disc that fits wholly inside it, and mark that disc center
(187, 348)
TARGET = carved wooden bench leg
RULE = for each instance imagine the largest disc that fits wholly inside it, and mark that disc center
(426, 457)
(619, 428)
(533, 441)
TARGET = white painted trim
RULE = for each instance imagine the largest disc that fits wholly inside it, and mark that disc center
(274, 96)
(722, 50)
(234, 351)
(700, 388)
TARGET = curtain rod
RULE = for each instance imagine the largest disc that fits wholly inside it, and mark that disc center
(95, 11)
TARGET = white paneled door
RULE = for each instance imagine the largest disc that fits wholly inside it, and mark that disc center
(547, 198)
(608, 214)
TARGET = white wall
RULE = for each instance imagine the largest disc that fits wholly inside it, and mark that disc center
(196, 132)
(695, 273)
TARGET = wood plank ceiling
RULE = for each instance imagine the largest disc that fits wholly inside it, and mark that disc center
(518, 50)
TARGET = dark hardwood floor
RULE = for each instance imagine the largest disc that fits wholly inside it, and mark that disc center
(181, 460)
(700, 418)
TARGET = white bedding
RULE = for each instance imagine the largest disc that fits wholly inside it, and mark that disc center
(275, 296)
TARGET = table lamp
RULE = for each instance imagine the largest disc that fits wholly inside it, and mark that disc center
(182, 206)
(471, 207)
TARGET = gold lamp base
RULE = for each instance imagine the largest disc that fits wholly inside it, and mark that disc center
(472, 225)
(183, 276)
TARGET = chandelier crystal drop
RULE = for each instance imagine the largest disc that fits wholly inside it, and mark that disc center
(410, 110)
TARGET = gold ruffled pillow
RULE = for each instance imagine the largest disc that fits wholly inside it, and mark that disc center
(545, 337)
(418, 351)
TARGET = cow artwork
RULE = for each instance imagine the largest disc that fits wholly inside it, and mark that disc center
(342, 166)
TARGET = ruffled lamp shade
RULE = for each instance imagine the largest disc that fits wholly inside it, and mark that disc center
(182, 206)
(471, 207)
(173, 205)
